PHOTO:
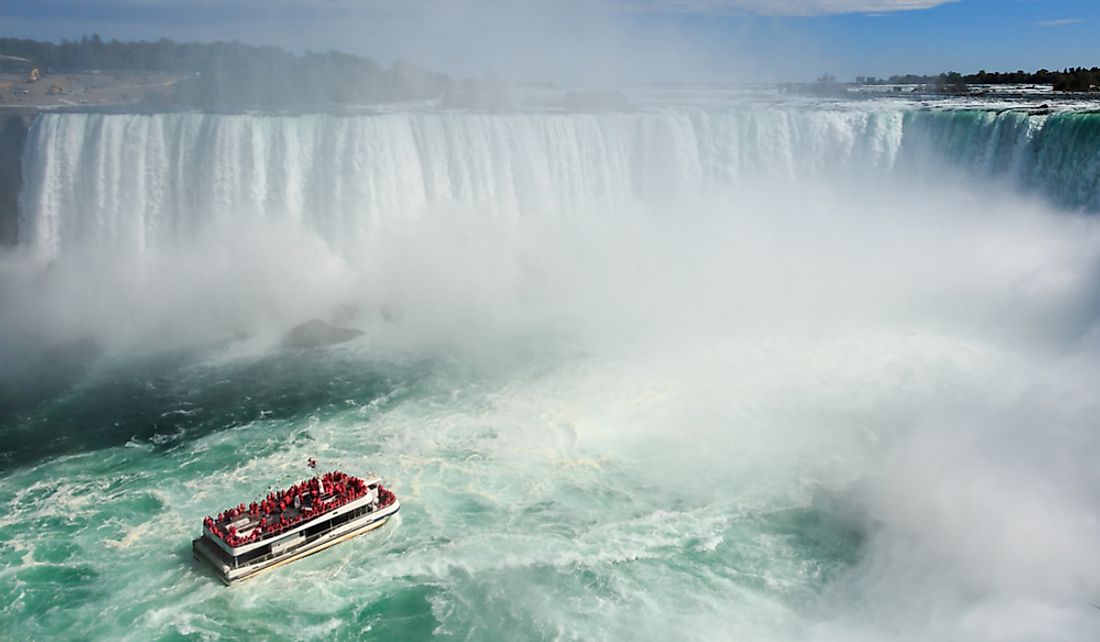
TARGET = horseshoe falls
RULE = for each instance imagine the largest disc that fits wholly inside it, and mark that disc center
(719, 369)
(134, 180)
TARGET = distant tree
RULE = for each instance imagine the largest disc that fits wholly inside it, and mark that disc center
(233, 74)
(950, 83)
(1068, 79)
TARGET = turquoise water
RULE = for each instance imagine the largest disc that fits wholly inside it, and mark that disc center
(1053, 154)
(784, 372)
(555, 496)
(513, 524)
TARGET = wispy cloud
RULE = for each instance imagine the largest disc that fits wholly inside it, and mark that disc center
(1059, 23)
(784, 7)
(702, 7)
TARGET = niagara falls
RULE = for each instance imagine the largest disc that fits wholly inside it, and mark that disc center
(657, 346)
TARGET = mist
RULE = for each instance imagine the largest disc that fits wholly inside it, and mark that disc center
(923, 348)
(697, 364)
(604, 42)
(613, 225)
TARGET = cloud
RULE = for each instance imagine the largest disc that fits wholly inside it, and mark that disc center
(1059, 23)
(784, 7)
(706, 7)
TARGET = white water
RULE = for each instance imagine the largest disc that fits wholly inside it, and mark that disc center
(129, 181)
(825, 312)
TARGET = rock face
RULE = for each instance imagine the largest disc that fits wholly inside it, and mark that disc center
(316, 333)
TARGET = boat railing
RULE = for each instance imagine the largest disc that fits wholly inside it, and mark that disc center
(282, 551)
(237, 526)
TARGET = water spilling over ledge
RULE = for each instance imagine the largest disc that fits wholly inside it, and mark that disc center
(130, 181)
(740, 371)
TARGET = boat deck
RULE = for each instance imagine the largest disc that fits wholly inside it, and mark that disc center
(229, 571)
(282, 511)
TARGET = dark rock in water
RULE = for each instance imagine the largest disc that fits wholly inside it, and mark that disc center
(73, 355)
(316, 333)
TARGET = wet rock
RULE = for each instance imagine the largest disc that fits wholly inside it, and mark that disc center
(316, 334)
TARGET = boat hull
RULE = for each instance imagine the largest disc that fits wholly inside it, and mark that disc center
(205, 551)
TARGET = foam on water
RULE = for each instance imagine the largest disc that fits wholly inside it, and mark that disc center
(765, 372)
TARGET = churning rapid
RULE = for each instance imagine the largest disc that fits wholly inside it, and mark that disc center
(715, 368)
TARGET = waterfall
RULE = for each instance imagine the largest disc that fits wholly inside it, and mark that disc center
(131, 182)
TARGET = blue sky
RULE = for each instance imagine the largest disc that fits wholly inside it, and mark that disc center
(595, 40)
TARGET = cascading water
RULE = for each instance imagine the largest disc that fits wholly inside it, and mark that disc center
(1052, 154)
(756, 371)
(125, 181)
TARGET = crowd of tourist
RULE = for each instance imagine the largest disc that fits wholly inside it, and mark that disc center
(284, 509)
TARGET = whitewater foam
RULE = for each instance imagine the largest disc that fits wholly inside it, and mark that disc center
(757, 372)
(126, 182)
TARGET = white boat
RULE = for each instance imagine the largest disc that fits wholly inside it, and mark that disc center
(309, 517)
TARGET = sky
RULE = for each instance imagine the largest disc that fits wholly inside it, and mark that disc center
(614, 40)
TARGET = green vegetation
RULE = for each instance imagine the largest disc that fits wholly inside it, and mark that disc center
(232, 74)
(1069, 79)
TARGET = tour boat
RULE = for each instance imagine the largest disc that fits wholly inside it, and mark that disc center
(288, 525)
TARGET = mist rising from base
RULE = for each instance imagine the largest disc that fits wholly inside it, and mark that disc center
(789, 404)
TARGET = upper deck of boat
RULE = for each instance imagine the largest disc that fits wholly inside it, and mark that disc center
(283, 513)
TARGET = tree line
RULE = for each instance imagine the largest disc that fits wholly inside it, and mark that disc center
(1069, 79)
(233, 74)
